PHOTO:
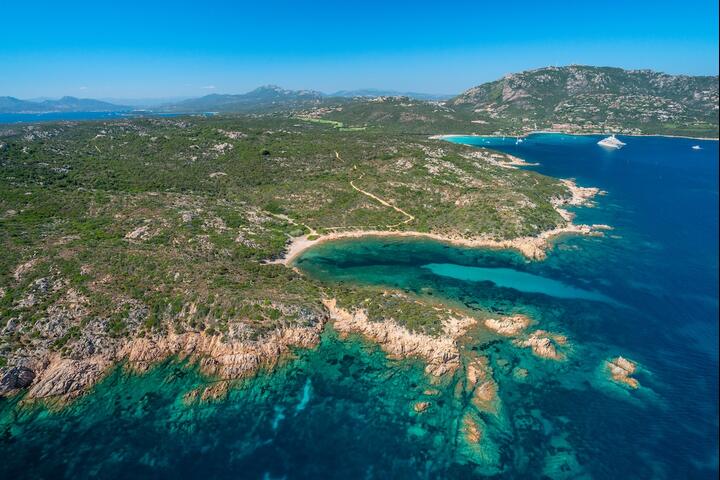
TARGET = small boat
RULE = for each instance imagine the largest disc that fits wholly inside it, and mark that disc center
(696, 147)
(518, 140)
(611, 142)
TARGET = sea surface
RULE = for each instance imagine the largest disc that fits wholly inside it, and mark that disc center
(647, 290)
(15, 118)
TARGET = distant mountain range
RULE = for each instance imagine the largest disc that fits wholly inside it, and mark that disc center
(266, 98)
(147, 102)
(65, 104)
(573, 98)
(272, 97)
(262, 99)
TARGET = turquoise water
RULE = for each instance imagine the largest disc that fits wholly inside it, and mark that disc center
(647, 290)
(324, 414)
(509, 278)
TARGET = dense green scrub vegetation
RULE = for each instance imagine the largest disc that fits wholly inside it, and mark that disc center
(111, 230)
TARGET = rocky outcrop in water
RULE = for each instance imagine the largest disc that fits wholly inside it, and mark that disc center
(68, 378)
(544, 344)
(440, 353)
(508, 326)
(480, 381)
(621, 370)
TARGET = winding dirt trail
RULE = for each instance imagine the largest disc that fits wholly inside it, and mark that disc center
(409, 218)
(304, 241)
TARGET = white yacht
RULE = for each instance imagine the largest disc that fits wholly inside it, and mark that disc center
(696, 147)
(611, 142)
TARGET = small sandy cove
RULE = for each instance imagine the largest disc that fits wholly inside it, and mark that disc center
(532, 247)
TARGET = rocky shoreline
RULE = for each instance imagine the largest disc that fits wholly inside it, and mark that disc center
(57, 379)
(441, 354)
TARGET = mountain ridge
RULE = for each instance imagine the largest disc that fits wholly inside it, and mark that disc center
(581, 95)
(65, 104)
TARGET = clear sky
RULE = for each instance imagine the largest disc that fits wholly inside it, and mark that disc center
(158, 48)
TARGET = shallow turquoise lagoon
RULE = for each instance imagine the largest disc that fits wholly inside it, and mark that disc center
(509, 278)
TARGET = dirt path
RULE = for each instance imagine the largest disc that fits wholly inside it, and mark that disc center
(383, 202)
(409, 218)
(290, 220)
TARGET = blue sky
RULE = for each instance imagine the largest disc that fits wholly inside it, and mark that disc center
(145, 49)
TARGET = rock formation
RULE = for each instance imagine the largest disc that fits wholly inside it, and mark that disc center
(544, 344)
(62, 379)
(621, 370)
(440, 353)
(508, 326)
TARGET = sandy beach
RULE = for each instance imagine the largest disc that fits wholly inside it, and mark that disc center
(532, 247)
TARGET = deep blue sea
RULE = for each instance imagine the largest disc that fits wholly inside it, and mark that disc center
(647, 290)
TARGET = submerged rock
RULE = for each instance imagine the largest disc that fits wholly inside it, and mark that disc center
(211, 393)
(475, 446)
(471, 430)
(420, 407)
(480, 382)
